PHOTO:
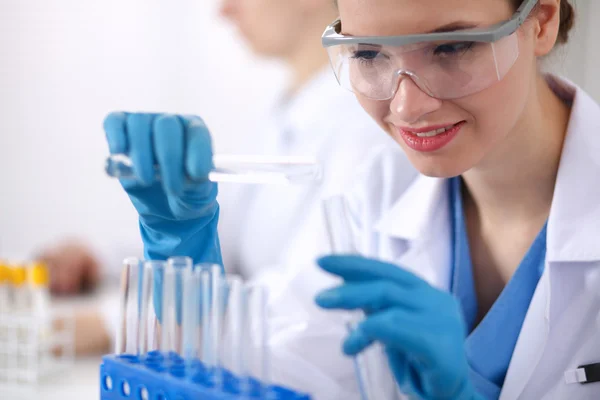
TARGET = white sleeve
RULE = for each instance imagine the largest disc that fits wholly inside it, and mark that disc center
(305, 341)
(109, 312)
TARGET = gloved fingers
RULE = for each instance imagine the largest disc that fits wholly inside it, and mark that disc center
(371, 296)
(115, 130)
(406, 376)
(169, 149)
(358, 269)
(199, 151)
(396, 329)
(139, 133)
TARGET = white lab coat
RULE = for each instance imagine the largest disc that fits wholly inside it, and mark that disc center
(273, 234)
(280, 227)
(409, 225)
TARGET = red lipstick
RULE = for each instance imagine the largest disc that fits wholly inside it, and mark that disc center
(429, 143)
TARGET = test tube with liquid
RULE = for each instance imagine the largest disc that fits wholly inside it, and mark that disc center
(39, 280)
(21, 296)
(238, 169)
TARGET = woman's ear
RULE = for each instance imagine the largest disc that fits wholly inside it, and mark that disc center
(546, 19)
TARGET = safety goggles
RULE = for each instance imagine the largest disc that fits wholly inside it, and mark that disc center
(445, 65)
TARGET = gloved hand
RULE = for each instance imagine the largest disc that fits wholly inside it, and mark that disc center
(421, 327)
(177, 218)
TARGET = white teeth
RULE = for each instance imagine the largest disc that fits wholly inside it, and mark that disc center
(434, 132)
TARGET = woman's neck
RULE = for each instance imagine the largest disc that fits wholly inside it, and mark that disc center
(520, 186)
(307, 59)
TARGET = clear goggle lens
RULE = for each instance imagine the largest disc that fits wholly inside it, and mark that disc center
(444, 70)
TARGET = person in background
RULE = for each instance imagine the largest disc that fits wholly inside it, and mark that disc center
(267, 232)
(74, 267)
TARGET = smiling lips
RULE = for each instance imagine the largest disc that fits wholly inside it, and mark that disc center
(431, 138)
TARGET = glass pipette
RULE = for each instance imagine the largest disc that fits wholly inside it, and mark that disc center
(238, 169)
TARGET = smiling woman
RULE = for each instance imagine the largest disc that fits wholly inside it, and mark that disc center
(488, 74)
(457, 85)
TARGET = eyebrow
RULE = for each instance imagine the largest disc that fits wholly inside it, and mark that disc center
(451, 27)
(454, 26)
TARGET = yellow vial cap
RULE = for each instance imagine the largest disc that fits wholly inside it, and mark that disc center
(4, 273)
(38, 274)
(19, 275)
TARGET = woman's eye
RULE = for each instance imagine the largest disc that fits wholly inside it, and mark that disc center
(365, 54)
(450, 49)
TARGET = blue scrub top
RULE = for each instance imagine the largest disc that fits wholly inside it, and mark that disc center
(490, 345)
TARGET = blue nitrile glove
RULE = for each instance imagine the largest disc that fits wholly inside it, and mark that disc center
(176, 217)
(420, 326)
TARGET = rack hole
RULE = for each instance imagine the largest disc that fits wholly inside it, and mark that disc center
(107, 383)
(125, 389)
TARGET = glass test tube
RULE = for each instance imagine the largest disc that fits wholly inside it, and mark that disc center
(233, 348)
(173, 303)
(127, 329)
(192, 293)
(339, 229)
(145, 280)
(166, 317)
(216, 315)
(258, 354)
(205, 281)
(154, 272)
(342, 241)
(374, 378)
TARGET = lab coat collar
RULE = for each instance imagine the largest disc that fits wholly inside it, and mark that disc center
(416, 209)
(573, 223)
(575, 210)
(314, 100)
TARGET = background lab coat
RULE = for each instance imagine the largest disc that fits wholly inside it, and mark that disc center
(281, 226)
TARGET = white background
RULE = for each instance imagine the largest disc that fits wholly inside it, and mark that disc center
(65, 63)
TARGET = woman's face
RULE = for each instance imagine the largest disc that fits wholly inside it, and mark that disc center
(271, 27)
(484, 119)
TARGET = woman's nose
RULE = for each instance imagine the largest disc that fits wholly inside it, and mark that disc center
(410, 102)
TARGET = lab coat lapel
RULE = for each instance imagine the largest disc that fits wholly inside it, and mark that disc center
(420, 220)
(531, 343)
(558, 308)
(572, 334)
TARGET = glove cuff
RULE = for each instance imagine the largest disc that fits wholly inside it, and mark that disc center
(197, 238)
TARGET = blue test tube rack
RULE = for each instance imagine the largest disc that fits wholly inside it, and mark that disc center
(160, 376)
